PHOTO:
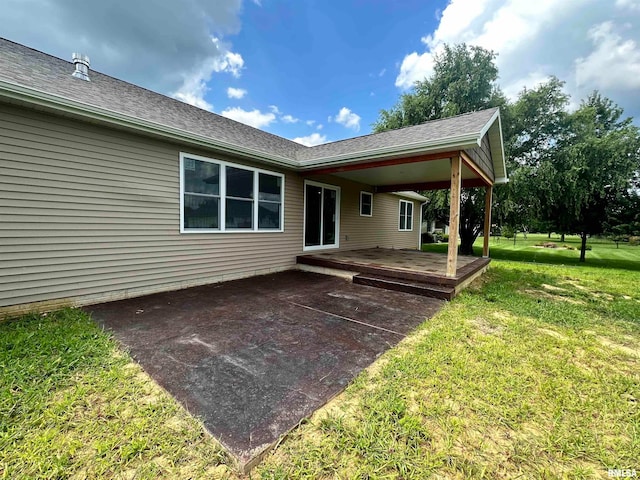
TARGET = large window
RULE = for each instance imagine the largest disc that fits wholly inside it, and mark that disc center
(219, 196)
(366, 204)
(406, 216)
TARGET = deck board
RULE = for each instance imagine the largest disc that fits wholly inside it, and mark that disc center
(410, 265)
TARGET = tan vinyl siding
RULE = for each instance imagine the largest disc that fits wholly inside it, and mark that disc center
(379, 230)
(91, 212)
(481, 156)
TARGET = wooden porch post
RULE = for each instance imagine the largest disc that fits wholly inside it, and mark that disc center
(487, 220)
(454, 216)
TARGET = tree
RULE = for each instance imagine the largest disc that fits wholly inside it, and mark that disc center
(534, 127)
(623, 216)
(592, 168)
(463, 80)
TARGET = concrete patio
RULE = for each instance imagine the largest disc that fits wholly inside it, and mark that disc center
(253, 357)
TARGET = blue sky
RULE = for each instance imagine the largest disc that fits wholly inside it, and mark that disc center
(311, 61)
(318, 71)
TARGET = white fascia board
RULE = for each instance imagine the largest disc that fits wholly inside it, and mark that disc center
(412, 195)
(459, 142)
(499, 161)
(488, 125)
(82, 110)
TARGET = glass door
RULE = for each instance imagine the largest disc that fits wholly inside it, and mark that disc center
(321, 216)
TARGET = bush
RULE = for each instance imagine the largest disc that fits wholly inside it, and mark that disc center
(508, 232)
(428, 238)
(635, 241)
(444, 238)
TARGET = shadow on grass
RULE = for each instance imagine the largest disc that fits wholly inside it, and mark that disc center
(547, 256)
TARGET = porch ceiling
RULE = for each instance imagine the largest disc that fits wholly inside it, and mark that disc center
(406, 173)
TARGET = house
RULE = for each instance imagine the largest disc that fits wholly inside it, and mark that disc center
(110, 190)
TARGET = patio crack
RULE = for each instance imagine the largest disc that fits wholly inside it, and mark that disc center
(346, 318)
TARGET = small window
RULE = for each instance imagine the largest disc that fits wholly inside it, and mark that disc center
(406, 216)
(239, 212)
(366, 204)
(201, 195)
(270, 202)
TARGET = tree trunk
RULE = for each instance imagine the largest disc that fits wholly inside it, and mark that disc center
(562, 237)
(583, 247)
(549, 235)
(467, 237)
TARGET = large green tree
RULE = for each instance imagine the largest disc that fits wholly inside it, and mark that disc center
(592, 168)
(534, 128)
(463, 80)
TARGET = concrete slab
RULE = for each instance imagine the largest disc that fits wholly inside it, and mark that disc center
(253, 357)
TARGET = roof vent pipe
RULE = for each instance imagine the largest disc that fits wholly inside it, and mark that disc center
(81, 63)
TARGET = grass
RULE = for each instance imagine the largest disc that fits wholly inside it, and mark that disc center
(533, 372)
(73, 405)
(603, 253)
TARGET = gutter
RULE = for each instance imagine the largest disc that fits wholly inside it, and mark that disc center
(74, 108)
(459, 142)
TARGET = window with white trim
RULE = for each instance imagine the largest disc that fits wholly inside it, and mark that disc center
(406, 216)
(366, 204)
(218, 196)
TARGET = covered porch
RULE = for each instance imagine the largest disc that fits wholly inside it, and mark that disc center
(453, 153)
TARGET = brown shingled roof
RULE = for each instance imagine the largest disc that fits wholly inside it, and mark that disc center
(39, 72)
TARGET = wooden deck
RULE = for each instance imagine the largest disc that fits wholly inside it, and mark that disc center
(412, 271)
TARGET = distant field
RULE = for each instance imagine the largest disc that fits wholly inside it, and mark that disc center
(603, 253)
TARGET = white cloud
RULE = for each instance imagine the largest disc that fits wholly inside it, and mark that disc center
(194, 86)
(116, 35)
(382, 72)
(310, 122)
(320, 126)
(254, 118)
(614, 62)
(289, 119)
(311, 140)
(275, 109)
(591, 44)
(229, 61)
(347, 118)
(193, 90)
(236, 92)
(501, 26)
(628, 4)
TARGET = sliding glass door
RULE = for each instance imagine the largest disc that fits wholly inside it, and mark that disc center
(321, 216)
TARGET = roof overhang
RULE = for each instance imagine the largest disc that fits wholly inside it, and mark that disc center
(399, 165)
(420, 166)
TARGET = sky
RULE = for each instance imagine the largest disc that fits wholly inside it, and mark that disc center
(316, 71)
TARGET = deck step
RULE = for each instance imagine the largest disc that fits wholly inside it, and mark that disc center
(408, 286)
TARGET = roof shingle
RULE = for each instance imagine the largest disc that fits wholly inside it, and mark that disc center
(45, 73)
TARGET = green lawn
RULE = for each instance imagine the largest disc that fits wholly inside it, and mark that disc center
(603, 253)
(533, 372)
